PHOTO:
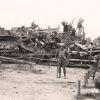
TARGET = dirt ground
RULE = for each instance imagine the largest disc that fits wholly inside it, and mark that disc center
(25, 85)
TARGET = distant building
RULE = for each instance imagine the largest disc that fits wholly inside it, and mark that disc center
(19, 31)
(49, 30)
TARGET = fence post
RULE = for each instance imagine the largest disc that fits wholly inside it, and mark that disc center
(78, 88)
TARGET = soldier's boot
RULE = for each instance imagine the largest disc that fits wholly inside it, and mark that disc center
(59, 76)
(64, 76)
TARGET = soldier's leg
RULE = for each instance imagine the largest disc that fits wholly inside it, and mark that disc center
(64, 69)
(59, 70)
(94, 74)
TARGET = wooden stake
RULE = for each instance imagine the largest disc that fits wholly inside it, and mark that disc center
(78, 88)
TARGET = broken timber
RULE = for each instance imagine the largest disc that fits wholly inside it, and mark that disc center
(8, 59)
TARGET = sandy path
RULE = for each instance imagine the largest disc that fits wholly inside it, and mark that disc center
(15, 85)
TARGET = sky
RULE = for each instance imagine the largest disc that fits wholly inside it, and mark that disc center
(14, 13)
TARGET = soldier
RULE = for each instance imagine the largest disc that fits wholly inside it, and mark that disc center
(62, 55)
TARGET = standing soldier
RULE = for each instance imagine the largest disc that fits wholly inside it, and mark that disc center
(62, 55)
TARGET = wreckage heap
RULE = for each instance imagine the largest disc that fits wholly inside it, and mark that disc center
(29, 44)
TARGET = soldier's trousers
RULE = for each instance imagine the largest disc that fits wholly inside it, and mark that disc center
(62, 65)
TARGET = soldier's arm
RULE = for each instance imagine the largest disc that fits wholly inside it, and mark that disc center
(66, 53)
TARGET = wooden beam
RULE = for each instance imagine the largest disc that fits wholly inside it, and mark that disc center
(16, 60)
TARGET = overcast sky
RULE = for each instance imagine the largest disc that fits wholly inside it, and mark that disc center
(51, 12)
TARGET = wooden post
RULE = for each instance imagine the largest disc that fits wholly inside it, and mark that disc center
(78, 88)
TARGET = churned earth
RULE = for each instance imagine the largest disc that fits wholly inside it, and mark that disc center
(19, 84)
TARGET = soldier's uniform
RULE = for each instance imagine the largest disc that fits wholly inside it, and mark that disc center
(62, 55)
